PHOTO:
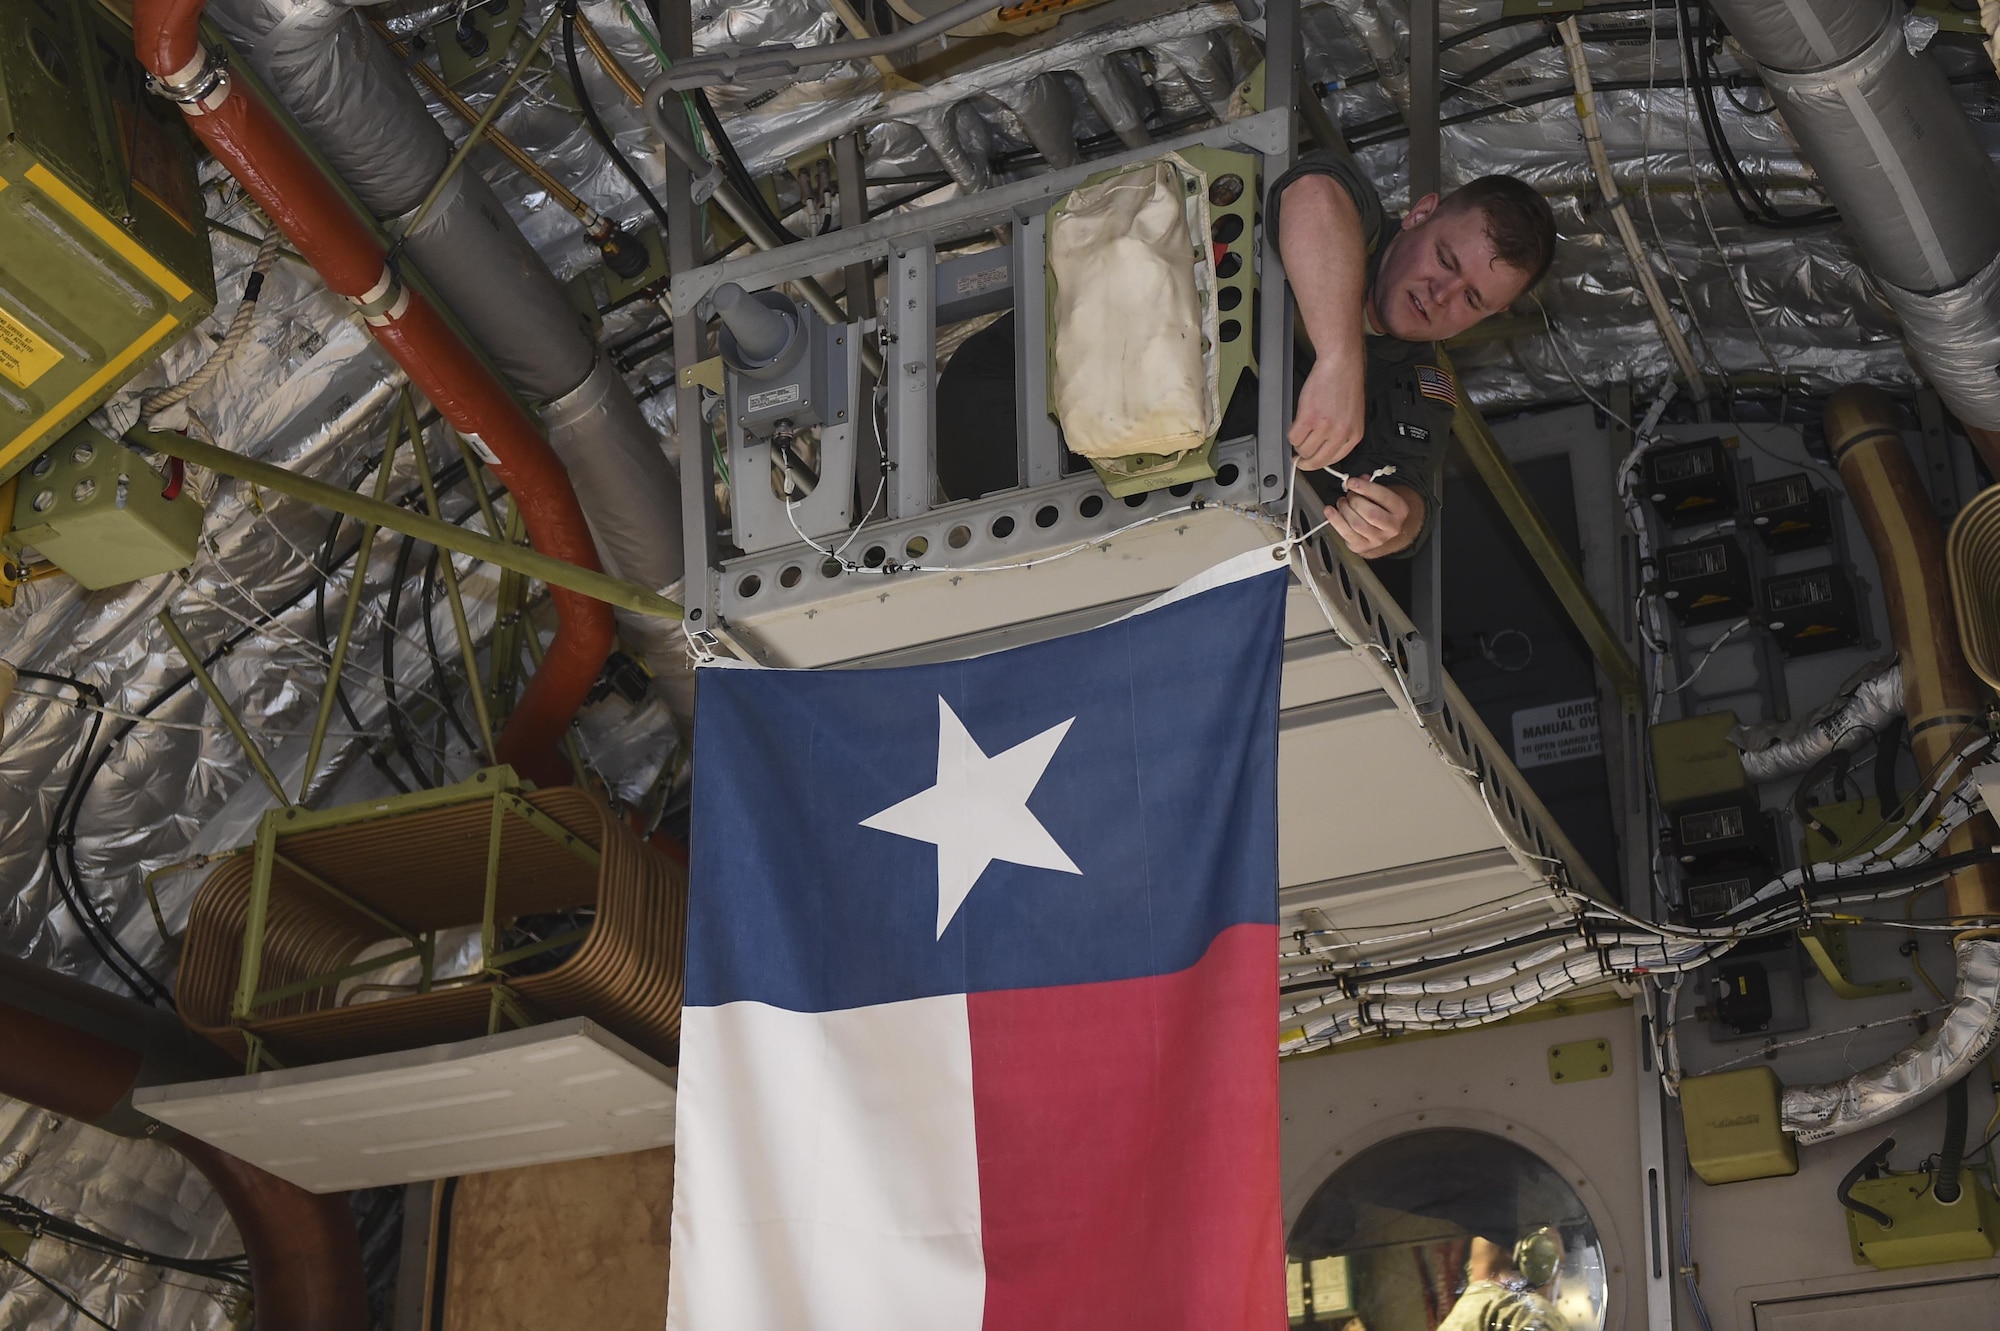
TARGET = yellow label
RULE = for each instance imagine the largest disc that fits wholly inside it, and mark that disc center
(24, 357)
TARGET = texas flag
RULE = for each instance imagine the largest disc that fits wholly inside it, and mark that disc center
(980, 1026)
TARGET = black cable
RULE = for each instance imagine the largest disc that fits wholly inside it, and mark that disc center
(379, 759)
(53, 1288)
(440, 676)
(1479, 30)
(1374, 973)
(30, 1219)
(732, 166)
(1904, 876)
(399, 724)
(441, 1253)
(67, 874)
(595, 125)
(1867, 1167)
(1952, 1157)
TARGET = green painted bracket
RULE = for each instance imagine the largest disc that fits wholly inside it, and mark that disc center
(1579, 1060)
(1826, 944)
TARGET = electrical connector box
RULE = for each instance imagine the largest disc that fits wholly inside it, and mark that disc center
(1733, 1130)
(1788, 514)
(93, 508)
(1707, 581)
(1923, 1230)
(101, 221)
(1694, 761)
(1812, 612)
(1690, 484)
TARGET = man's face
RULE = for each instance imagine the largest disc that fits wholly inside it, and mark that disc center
(1439, 276)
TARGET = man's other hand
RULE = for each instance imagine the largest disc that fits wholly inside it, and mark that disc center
(1332, 411)
(1376, 519)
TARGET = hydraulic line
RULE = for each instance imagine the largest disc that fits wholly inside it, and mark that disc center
(251, 143)
(1951, 1157)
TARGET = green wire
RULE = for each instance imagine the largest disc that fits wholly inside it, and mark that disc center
(646, 36)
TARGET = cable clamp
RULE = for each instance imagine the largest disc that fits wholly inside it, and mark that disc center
(704, 189)
(200, 87)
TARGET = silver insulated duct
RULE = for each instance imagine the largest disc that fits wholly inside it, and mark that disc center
(361, 111)
(1901, 162)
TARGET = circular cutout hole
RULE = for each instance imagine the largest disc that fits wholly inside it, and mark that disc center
(1367, 611)
(1047, 515)
(45, 501)
(1091, 506)
(48, 55)
(1003, 527)
(958, 537)
(1346, 584)
(83, 490)
(82, 453)
(1229, 265)
(789, 575)
(916, 547)
(1181, 491)
(43, 464)
(875, 556)
(1270, 480)
(1229, 330)
(1225, 190)
(1509, 791)
(1137, 500)
(750, 586)
(1226, 474)
(1226, 229)
(1228, 298)
(830, 568)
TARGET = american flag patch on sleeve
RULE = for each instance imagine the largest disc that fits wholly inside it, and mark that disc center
(1435, 383)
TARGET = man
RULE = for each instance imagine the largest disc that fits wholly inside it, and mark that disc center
(1375, 299)
(1511, 1292)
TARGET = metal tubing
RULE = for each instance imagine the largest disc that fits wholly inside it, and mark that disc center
(247, 138)
(1425, 175)
(468, 648)
(352, 608)
(569, 580)
(734, 66)
(1549, 556)
(484, 123)
(221, 705)
(1941, 696)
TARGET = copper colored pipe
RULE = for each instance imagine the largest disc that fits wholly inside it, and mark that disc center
(252, 144)
(79, 1051)
(1941, 696)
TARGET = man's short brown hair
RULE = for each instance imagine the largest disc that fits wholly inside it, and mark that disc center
(1518, 221)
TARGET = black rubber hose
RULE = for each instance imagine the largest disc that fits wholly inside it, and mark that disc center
(440, 673)
(398, 723)
(319, 623)
(1951, 1159)
(1867, 1167)
(732, 166)
(595, 125)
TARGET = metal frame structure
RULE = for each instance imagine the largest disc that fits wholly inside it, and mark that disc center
(498, 786)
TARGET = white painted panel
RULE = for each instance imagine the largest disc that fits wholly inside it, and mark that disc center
(827, 1173)
(1357, 793)
(562, 1091)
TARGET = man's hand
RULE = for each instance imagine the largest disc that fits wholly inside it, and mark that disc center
(1376, 519)
(1332, 411)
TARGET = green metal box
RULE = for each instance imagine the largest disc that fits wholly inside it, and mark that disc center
(1733, 1130)
(104, 254)
(1694, 761)
(92, 507)
(1923, 1230)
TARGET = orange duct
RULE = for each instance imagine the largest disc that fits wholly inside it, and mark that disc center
(1941, 696)
(79, 1051)
(251, 142)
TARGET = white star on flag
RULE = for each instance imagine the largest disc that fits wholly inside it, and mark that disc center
(978, 810)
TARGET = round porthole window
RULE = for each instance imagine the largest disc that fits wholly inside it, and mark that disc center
(1447, 1229)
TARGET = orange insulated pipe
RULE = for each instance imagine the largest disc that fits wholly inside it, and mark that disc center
(248, 139)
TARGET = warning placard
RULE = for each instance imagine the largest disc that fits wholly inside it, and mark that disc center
(1559, 733)
(24, 357)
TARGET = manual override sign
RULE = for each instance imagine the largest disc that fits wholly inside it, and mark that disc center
(1558, 733)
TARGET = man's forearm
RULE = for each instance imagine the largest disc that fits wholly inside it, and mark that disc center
(1326, 262)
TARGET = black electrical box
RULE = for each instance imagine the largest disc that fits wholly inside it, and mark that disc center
(1706, 581)
(1812, 611)
(1692, 483)
(1725, 835)
(1708, 898)
(1740, 989)
(1789, 514)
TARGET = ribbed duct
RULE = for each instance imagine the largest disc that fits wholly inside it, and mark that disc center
(1903, 165)
(360, 109)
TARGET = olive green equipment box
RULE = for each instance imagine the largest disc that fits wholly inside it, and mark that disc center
(1733, 1130)
(1922, 1230)
(104, 254)
(98, 511)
